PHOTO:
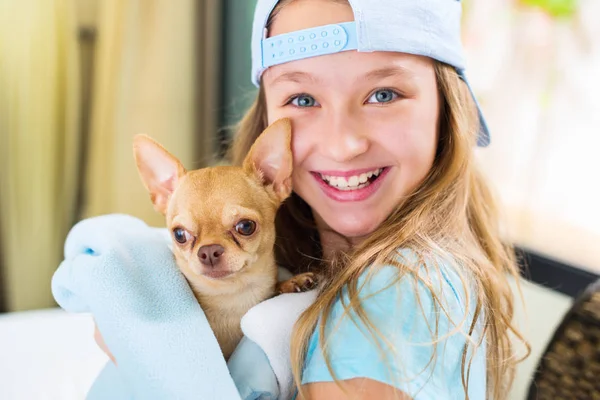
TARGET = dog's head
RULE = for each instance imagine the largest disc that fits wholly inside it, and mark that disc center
(222, 219)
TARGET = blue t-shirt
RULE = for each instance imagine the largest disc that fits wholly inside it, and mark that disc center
(403, 313)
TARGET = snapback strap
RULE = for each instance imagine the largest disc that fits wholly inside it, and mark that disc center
(312, 42)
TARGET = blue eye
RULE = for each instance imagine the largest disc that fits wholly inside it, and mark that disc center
(383, 96)
(304, 100)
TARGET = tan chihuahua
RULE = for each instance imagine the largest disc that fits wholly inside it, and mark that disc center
(222, 221)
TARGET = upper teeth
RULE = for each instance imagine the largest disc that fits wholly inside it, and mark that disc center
(351, 182)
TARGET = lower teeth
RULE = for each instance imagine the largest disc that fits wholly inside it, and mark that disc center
(347, 188)
(364, 185)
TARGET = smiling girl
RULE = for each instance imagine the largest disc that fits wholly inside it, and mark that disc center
(386, 193)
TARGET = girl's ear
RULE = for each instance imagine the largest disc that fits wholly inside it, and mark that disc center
(160, 171)
(270, 158)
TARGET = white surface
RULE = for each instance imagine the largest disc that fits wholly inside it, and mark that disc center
(50, 354)
(270, 325)
(47, 355)
(544, 310)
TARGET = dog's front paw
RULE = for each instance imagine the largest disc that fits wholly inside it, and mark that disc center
(297, 284)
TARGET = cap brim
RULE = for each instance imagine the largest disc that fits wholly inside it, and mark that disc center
(483, 139)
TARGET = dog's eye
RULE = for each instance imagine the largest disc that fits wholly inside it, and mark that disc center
(245, 227)
(180, 235)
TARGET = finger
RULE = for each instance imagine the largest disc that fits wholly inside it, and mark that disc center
(100, 342)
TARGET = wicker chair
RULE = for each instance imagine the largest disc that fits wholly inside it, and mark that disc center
(570, 365)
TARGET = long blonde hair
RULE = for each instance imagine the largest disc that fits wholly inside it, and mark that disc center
(451, 216)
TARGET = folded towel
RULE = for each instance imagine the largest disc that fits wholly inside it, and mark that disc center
(123, 272)
(269, 325)
(252, 373)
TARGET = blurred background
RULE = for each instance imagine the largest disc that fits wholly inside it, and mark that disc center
(79, 78)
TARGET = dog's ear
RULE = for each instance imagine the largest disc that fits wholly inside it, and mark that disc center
(270, 158)
(160, 171)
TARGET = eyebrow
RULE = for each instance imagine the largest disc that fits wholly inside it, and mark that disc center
(295, 76)
(387, 72)
(378, 74)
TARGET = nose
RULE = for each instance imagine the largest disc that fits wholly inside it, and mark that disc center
(210, 255)
(343, 139)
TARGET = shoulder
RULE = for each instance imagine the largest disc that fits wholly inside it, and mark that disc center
(430, 282)
(410, 330)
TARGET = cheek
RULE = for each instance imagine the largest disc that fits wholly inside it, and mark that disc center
(237, 259)
(181, 255)
(260, 242)
(274, 110)
(249, 246)
(415, 159)
(303, 140)
(252, 250)
(410, 135)
(188, 262)
(304, 128)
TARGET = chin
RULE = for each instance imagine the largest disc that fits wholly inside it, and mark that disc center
(352, 227)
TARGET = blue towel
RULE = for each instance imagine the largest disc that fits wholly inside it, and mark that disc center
(123, 272)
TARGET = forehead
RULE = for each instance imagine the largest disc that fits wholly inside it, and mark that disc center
(207, 191)
(361, 70)
(357, 66)
(303, 14)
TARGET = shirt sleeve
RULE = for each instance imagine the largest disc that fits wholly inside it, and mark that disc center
(402, 353)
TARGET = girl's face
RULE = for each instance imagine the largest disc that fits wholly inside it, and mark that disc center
(364, 124)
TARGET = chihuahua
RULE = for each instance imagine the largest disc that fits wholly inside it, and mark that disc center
(222, 223)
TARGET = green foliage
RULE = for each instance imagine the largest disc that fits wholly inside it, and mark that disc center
(556, 8)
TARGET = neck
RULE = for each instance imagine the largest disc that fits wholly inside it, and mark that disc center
(333, 242)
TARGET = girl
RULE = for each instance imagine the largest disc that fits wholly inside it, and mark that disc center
(415, 302)
(384, 174)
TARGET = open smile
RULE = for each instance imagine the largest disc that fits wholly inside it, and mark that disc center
(355, 185)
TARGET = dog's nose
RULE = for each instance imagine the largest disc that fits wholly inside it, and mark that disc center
(210, 255)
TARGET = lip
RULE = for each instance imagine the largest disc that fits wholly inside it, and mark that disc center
(345, 196)
(216, 274)
(346, 174)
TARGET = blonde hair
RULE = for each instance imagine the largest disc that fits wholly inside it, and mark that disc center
(451, 216)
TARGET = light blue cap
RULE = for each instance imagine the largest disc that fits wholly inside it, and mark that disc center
(423, 27)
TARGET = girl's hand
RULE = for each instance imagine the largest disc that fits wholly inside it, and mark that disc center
(100, 341)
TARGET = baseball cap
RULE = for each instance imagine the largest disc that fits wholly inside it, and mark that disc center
(423, 27)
